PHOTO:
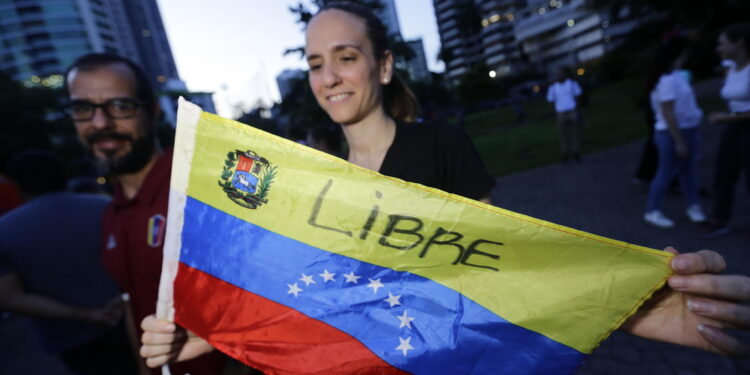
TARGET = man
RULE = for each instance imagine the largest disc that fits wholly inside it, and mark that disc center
(50, 269)
(564, 93)
(115, 114)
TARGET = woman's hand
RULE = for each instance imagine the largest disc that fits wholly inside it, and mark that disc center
(165, 342)
(697, 306)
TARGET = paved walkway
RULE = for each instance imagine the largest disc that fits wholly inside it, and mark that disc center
(598, 196)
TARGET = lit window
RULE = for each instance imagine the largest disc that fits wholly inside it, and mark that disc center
(161, 78)
(542, 11)
(571, 22)
(485, 23)
(146, 33)
(510, 17)
(494, 18)
(493, 74)
(581, 71)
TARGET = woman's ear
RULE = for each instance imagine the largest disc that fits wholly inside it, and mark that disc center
(386, 68)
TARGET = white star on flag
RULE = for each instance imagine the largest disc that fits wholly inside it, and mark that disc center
(293, 289)
(327, 276)
(405, 320)
(375, 284)
(307, 279)
(404, 345)
(393, 300)
(351, 277)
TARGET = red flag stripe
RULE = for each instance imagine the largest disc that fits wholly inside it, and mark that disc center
(249, 330)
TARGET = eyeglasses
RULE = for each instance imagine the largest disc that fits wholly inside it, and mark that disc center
(120, 108)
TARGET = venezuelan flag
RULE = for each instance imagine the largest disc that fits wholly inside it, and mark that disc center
(296, 262)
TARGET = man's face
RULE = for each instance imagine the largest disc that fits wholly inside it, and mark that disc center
(122, 144)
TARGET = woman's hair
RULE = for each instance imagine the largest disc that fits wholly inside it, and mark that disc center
(672, 45)
(739, 31)
(399, 101)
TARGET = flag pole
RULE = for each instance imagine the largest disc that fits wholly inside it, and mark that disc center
(188, 115)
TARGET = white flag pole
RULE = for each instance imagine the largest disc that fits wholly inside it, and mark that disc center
(188, 115)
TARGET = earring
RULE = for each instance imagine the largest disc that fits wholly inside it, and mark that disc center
(385, 81)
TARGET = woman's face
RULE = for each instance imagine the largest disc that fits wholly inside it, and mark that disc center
(728, 49)
(345, 76)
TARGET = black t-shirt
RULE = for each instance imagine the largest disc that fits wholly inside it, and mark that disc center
(440, 156)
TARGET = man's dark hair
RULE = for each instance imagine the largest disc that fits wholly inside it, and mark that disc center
(92, 61)
(37, 172)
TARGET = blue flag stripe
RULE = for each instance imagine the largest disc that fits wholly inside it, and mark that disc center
(407, 320)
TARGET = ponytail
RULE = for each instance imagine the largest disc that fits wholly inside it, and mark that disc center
(400, 102)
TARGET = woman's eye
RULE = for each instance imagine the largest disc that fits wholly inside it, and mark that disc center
(348, 58)
(314, 67)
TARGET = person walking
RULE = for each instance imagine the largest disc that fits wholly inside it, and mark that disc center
(564, 94)
(676, 132)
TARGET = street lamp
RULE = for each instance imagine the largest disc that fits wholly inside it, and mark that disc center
(493, 74)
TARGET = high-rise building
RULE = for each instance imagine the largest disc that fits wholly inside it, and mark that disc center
(554, 33)
(499, 48)
(415, 67)
(388, 15)
(515, 35)
(142, 21)
(40, 38)
(459, 26)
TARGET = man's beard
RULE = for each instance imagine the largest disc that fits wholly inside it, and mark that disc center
(141, 150)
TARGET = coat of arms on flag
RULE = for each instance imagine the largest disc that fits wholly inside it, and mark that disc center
(246, 178)
(348, 271)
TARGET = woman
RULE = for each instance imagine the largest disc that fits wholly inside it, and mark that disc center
(734, 147)
(350, 80)
(675, 132)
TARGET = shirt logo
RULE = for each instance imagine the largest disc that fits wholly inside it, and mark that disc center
(246, 178)
(156, 228)
(111, 243)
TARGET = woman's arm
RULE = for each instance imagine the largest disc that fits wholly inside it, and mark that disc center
(729, 118)
(667, 110)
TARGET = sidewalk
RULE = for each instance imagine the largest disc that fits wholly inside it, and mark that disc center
(598, 196)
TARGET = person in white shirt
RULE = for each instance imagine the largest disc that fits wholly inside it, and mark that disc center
(676, 133)
(564, 93)
(734, 147)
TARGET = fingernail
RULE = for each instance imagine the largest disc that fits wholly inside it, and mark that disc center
(678, 282)
(702, 328)
(170, 327)
(699, 307)
(679, 264)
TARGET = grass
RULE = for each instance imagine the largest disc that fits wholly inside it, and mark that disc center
(610, 119)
